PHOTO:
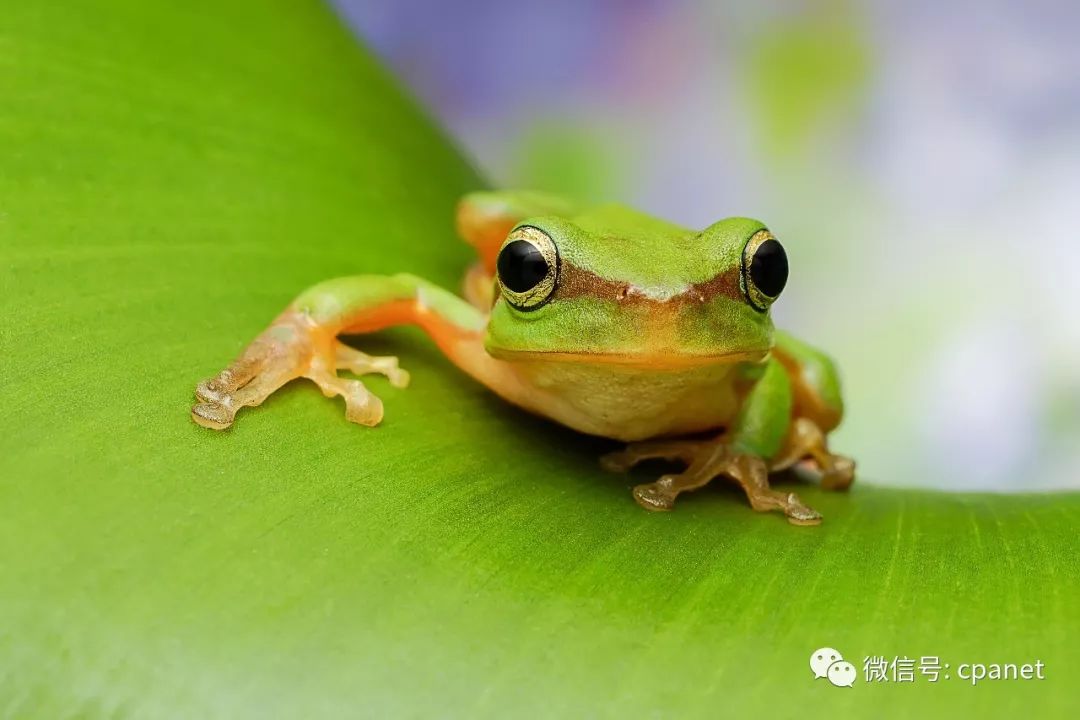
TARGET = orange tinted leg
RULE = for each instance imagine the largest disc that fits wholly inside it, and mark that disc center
(706, 460)
(302, 342)
(807, 447)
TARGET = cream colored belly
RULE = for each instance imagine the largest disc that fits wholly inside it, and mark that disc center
(627, 403)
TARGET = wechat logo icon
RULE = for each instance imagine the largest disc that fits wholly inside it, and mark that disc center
(827, 662)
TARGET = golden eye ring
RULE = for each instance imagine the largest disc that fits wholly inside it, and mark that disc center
(527, 268)
(764, 270)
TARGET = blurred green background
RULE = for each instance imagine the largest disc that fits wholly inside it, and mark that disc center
(919, 160)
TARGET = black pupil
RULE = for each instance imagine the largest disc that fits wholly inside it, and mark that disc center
(521, 266)
(769, 268)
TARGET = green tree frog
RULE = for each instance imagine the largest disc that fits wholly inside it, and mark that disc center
(603, 319)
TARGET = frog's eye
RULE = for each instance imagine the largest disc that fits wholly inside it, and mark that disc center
(764, 270)
(528, 268)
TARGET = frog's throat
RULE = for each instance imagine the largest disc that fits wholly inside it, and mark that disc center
(642, 360)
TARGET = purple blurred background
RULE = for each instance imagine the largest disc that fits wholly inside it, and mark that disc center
(920, 162)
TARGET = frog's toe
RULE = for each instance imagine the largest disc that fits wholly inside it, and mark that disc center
(398, 377)
(634, 453)
(840, 475)
(208, 392)
(213, 415)
(360, 363)
(361, 405)
(800, 514)
(275, 357)
(616, 461)
(654, 496)
(765, 499)
(807, 454)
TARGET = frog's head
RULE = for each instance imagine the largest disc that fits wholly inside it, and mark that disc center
(616, 286)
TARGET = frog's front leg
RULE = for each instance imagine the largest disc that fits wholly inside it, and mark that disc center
(302, 342)
(742, 454)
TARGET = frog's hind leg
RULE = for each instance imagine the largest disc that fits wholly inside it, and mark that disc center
(807, 448)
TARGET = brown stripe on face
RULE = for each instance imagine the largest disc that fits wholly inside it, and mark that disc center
(726, 284)
(575, 282)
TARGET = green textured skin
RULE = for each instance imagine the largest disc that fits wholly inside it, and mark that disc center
(172, 174)
(579, 325)
(332, 301)
(620, 244)
(818, 369)
(763, 419)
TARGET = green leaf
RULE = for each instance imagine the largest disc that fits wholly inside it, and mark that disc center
(172, 174)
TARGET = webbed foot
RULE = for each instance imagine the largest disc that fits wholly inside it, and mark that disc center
(807, 452)
(705, 460)
(294, 346)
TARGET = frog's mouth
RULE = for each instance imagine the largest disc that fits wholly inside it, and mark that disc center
(644, 360)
